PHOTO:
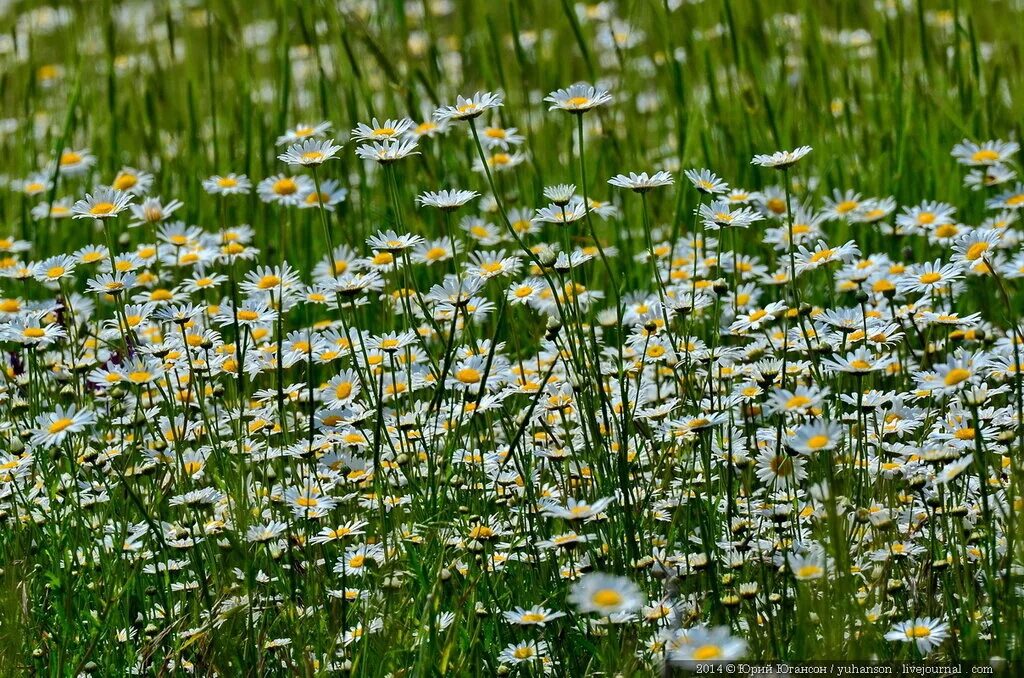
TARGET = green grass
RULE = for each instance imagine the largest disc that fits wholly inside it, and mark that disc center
(882, 93)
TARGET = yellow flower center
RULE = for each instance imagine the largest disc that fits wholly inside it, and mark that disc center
(809, 571)
(707, 652)
(285, 186)
(60, 425)
(101, 208)
(797, 401)
(481, 532)
(268, 282)
(985, 155)
(964, 434)
(468, 375)
(956, 375)
(125, 181)
(606, 598)
(817, 442)
(976, 250)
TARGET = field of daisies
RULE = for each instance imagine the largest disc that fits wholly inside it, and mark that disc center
(474, 338)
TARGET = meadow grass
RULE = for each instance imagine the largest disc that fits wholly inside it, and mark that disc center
(568, 420)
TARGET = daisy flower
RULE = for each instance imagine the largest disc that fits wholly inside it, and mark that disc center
(106, 203)
(330, 194)
(606, 594)
(779, 470)
(446, 200)
(1012, 199)
(560, 194)
(36, 183)
(781, 159)
(132, 180)
(929, 277)
(561, 214)
(54, 268)
(469, 108)
(706, 181)
(722, 214)
(578, 98)
(807, 567)
(823, 254)
(113, 284)
(72, 163)
(641, 183)
(526, 651)
(925, 216)
(310, 153)
(861, 361)
(500, 137)
(389, 151)
(52, 428)
(926, 633)
(987, 153)
(702, 644)
(283, 189)
(153, 211)
(58, 209)
(986, 177)
(31, 332)
(382, 131)
(302, 131)
(535, 616)
(393, 242)
(815, 437)
(228, 184)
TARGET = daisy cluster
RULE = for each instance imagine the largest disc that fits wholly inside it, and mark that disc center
(650, 416)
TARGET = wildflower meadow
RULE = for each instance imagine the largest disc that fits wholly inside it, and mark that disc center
(406, 338)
